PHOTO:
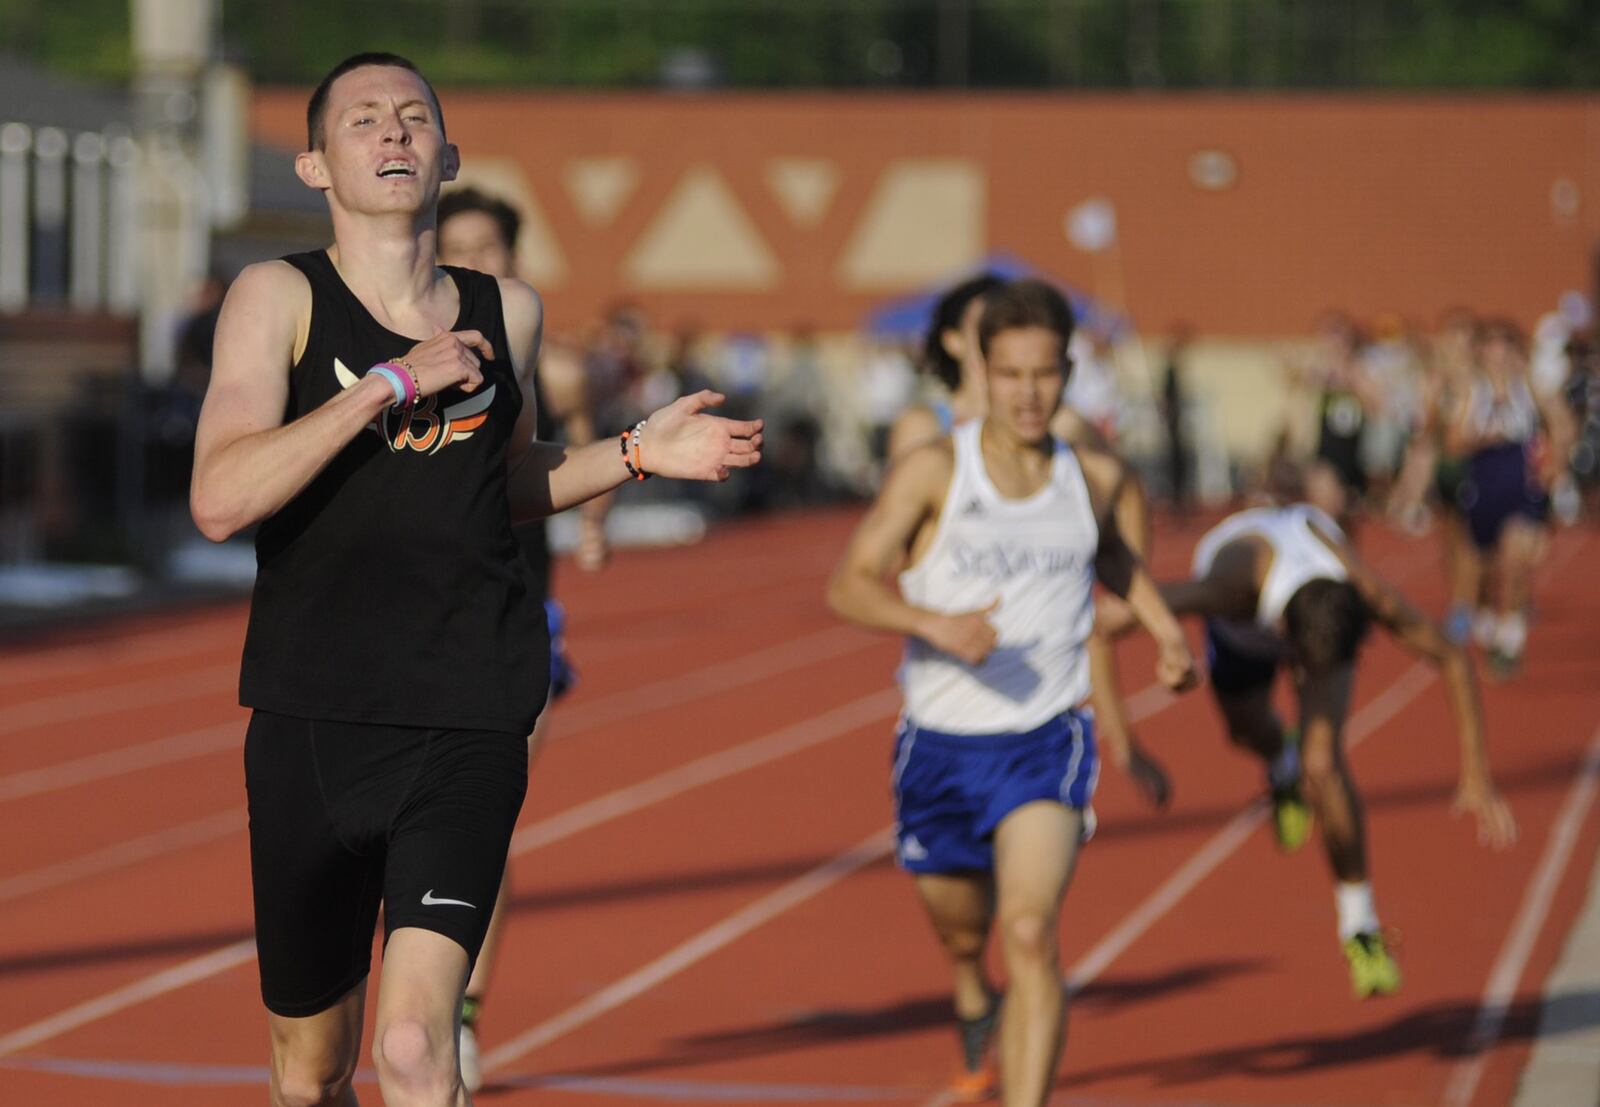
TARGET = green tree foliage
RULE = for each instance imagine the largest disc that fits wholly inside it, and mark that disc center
(1407, 44)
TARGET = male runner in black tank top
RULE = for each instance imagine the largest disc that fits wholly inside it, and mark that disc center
(367, 410)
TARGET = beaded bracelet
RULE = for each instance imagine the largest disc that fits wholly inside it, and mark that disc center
(634, 464)
(416, 381)
(628, 461)
(638, 433)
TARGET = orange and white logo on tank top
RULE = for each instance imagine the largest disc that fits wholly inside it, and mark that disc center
(424, 428)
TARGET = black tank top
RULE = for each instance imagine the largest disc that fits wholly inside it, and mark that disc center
(391, 590)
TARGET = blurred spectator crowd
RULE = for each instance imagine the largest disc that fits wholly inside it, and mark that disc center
(1365, 410)
(1377, 398)
(1396, 411)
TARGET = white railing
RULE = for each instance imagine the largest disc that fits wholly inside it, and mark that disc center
(68, 219)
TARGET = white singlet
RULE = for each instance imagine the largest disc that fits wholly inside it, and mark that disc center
(1512, 419)
(1298, 556)
(1036, 556)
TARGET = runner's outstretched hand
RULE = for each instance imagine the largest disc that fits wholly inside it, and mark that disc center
(682, 441)
(1497, 826)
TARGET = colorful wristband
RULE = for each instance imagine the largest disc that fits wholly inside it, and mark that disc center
(401, 387)
(407, 376)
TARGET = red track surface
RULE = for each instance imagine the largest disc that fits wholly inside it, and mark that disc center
(809, 979)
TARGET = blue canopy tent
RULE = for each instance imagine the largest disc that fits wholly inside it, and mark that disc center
(908, 316)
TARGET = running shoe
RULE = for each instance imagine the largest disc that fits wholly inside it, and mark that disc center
(968, 1086)
(1373, 971)
(978, 1079)
(1291, 818)
(1503, 665)
(1485, 624)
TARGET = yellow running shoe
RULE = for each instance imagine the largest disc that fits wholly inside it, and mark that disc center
(1291, 818)
(1373, 971)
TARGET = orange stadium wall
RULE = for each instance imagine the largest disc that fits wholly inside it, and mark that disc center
(1245, 216)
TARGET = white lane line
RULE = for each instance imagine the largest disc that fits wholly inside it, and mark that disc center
(167, 980)
(1141, 706)
(798, 653)
(1222, 845)
(94, 701)
(877, 706)
(1200, 865)
(186, 640)
(131, 852)
(1148, 701)
(869, 709)
(694, 950)
(774, 660)
(659, 695)
(145, 755)
(852, 716)
(1217, 849)
(1518, 947)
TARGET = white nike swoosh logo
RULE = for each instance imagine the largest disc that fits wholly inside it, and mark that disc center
(429, 900)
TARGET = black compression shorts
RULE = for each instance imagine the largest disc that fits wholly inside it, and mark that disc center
(1232, 671)
(343, 815)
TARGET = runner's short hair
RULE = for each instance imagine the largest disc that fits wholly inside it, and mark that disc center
(1027, 303)
(1326, 621)
(463, 200)
(947, 317)
(317, 106)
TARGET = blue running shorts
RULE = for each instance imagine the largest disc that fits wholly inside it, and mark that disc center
(562, 675)
(952, 790)
(1499, 486)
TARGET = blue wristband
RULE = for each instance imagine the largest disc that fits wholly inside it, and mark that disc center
(394, 382)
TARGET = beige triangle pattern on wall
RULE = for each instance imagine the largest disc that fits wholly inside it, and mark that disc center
(599, 187)
(702, 238)
(927, 217)
(539, 256)
(804, 187)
